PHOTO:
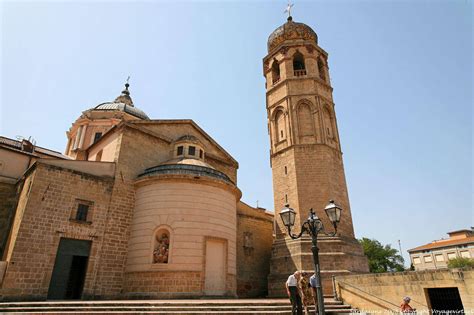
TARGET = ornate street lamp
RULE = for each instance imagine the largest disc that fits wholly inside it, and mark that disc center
(313, 225)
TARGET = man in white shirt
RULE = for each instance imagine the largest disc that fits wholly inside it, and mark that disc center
(293, 293)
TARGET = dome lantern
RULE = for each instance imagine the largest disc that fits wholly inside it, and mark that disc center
(125, 96)
(123, 103)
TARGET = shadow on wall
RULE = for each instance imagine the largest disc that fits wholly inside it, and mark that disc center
(254, 246)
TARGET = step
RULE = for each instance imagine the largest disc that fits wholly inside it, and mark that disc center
(181, 313)
(288, 311)
(171, 308)
(218, 306)
(158, 302)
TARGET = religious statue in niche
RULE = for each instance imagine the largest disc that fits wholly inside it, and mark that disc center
(248, 243)
(161, 252)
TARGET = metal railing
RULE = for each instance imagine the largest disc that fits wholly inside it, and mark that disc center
(372, 295)
(300, 73)
(397, 307)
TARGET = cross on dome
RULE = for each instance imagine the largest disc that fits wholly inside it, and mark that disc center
(288, 9)
(125, 96)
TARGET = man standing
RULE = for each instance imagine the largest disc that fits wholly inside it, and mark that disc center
(312, 284)
(293, 293)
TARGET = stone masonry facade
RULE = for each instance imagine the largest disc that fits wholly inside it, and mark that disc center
(254, 242)
(44, 216)
(306, 157)
(47, 205)
(149, 208)
(384, 292)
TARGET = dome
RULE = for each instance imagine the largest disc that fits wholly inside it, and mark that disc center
(129, 109)
(185, 166)
(123, 103)
(291, 31)
(187, 161)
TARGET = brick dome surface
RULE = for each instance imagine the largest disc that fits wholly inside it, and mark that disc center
(291, 31)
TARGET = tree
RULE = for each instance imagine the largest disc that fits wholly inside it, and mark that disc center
(381, 258)
(460, 262)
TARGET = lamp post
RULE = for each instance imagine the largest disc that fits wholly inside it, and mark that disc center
(313, 225)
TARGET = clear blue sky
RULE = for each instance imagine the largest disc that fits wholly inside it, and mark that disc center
(401, 72)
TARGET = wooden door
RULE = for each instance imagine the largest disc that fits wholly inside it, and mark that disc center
(215, 282)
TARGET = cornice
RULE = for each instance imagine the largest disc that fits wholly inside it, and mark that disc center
(188, 178)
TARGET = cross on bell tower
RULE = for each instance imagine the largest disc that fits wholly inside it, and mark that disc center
(288, 9)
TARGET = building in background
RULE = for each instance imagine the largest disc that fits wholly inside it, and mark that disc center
(435, 255)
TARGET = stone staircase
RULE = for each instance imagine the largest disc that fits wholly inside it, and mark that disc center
(217, 306)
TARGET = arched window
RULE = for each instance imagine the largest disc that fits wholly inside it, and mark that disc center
(298, 65)
(275, 71)
(322, 71)
(161, 246)
(280, 126)
(305, 121)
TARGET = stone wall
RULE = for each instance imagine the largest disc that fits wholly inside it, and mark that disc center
(136, 151)
(214, 155)
(385, 291)
(314, 174)
(165, 284)
(254, 246)
(192, 211)
(45, 215)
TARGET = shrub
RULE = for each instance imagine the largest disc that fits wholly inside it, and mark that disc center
(460, 262)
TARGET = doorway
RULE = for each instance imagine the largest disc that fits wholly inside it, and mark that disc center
(445, 300)
(70, 268)
(215, 282)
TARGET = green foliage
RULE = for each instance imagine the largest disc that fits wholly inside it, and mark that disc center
(381, 258)
(460, 262)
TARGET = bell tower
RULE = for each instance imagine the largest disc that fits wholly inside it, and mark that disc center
(306, 157)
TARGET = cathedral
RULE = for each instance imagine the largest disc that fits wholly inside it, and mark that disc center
(148, 208)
